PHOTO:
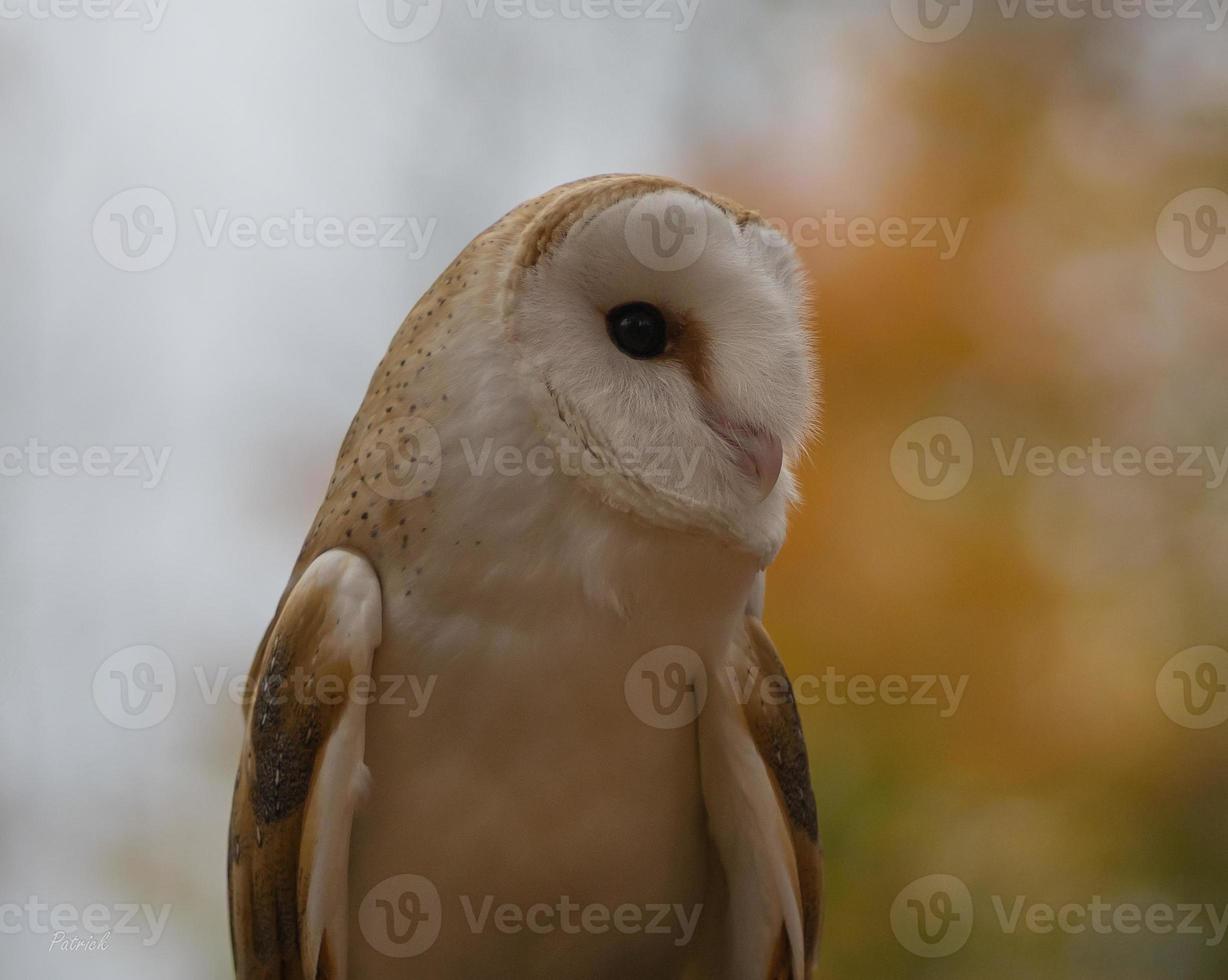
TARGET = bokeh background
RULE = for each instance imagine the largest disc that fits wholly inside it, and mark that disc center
(1068, 772)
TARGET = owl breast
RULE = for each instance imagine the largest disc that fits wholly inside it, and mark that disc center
(535, 769)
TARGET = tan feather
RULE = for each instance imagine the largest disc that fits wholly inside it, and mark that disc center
(293, 803)
(761, 813)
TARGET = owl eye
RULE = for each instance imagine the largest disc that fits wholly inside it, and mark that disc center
(639, 330)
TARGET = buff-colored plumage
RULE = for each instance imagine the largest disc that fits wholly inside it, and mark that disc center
(509, 608)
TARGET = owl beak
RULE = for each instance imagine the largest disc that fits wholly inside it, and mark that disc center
(758, 453)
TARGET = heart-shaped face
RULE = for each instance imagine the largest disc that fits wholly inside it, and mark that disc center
(668, 330)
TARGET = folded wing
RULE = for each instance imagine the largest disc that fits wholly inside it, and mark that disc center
(761, 813)
(301, 775)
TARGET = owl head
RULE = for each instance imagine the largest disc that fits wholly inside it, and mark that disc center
(663, 333)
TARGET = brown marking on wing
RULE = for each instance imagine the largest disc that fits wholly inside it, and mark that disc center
(288, 723)
(771, 714)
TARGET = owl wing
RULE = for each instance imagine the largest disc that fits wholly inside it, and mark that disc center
(761, 812)
(301, 775)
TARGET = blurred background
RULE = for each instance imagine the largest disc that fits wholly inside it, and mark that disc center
(1014, 214)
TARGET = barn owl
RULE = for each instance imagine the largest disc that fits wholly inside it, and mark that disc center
(516, 714)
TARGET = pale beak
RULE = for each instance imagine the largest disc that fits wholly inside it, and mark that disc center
(759, 454)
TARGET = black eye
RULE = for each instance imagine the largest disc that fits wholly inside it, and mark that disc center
(639, 330)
